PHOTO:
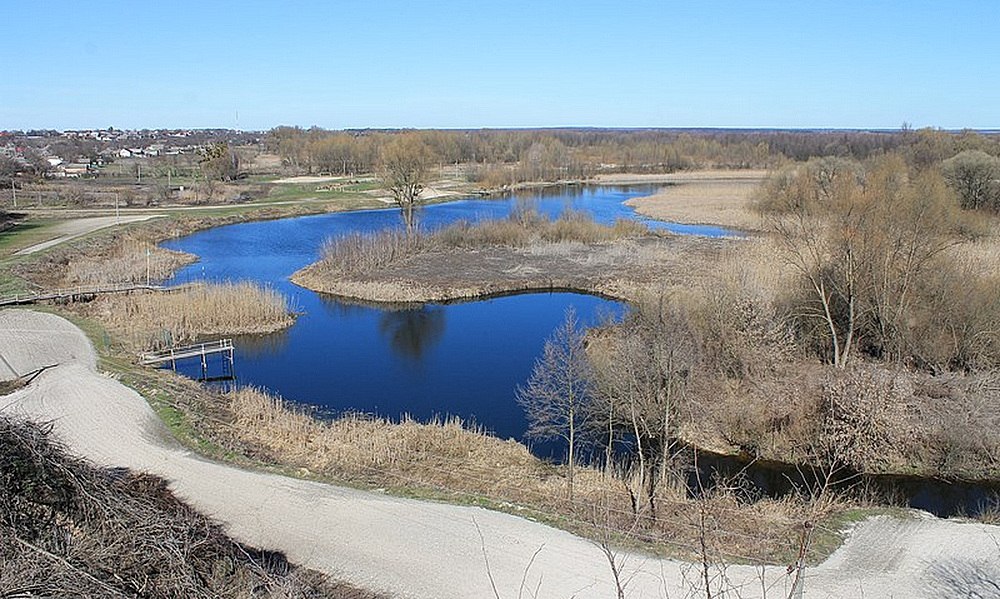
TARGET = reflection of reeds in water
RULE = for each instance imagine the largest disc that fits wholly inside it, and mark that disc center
(260, 346)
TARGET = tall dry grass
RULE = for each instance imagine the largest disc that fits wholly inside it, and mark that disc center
(124, 261)
(160, 319)
(980, 255)
(359, 254)
(442, 454)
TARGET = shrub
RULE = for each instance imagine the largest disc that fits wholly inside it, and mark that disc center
(864, 426)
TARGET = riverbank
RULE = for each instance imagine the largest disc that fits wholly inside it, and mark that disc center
(625, 270)
(439, 550)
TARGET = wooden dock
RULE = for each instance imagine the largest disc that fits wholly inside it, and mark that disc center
(187, 351)
(197, 350)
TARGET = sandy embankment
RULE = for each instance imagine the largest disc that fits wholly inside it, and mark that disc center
(430, 550)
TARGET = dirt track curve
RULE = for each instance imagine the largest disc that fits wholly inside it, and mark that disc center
(430, 550)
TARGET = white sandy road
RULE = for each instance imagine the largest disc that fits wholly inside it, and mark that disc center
(429, 550)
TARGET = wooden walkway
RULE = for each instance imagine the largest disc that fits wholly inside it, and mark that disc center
(78, 292)
(188, 351)
(197, 350)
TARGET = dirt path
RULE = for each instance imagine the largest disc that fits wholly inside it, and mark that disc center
(78, 227)
(430, 550)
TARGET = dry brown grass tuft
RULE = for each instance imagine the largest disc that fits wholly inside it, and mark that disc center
(159, 319)
(358, 253)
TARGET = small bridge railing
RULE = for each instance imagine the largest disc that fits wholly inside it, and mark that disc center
(81, 290)
(49, 294)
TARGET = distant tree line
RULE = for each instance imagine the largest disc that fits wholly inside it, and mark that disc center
(501, 157)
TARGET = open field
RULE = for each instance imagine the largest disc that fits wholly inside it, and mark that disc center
(355, 535)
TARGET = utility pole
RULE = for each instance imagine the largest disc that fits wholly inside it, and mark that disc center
(148, 252)
(13, 191)
(118, 217)
(139, 171)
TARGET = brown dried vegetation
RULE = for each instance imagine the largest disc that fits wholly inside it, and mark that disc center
(69, 529)
(153, 320)
(449, 458)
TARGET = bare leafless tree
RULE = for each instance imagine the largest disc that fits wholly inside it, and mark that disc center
(643, 379)
(403, 169)
(558, 399)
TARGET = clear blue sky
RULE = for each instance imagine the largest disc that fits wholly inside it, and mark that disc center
(488, 63)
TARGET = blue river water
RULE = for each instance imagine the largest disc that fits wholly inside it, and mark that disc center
(463, 359)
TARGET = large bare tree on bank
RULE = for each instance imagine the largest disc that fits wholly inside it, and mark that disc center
(403, 168)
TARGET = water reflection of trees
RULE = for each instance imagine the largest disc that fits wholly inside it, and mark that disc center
(412, 332)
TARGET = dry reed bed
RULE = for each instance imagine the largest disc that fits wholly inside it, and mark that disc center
(981, 256)
(360, 254)
(151, 320)
(126, 262)
(446, 456)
